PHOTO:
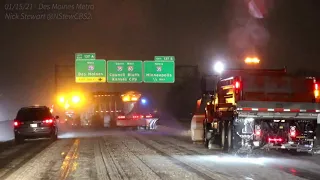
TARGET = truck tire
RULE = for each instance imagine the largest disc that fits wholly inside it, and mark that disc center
(54, 136)
(229, 138)
(205, 131)
(226, 136)
(223, 136)
(18, 139)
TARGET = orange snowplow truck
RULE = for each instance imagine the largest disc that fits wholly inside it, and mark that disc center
(267, 109)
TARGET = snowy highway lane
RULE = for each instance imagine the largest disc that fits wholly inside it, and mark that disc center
(142, 155)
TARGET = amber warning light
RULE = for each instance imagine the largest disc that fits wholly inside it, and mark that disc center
(316, 90)
(250, 60)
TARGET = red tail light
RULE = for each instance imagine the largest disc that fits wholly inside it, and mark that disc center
(275, 139)
(316, 86)
(121, 117)
(148, 116)
(237, 85)
(136, 116)
(293, 131)
(47, 121)
(258, 132)
(16, 123)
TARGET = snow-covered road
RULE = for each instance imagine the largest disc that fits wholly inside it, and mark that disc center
(119, 154)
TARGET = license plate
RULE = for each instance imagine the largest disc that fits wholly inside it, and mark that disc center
(33, 125)
(300, 136)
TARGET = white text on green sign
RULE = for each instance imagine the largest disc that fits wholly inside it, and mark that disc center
(164, 58)
(159, 71)
(124, 71)
(85, 56)
(90, 71)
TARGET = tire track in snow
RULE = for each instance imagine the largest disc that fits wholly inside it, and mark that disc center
(106, 162)
(18, 157)
(179, 147)
(200, 170)
(131, 165)
(37, 161)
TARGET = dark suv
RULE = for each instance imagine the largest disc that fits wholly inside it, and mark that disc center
(35, 122)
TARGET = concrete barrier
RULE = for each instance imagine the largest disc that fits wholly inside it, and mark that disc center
(6, 130)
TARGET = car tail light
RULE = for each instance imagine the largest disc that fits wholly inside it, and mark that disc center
(121, 117)
(48, 121)
(16, 123)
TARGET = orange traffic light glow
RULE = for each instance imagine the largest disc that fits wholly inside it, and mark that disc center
(250, 60)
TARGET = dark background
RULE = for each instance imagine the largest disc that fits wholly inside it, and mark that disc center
(196, 32)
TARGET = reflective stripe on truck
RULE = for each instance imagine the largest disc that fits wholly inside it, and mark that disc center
(278, 110)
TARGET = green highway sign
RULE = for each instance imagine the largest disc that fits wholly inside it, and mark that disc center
(85, 56)
(124, 71)
(90, 71)
(164, 58)
(159, 71)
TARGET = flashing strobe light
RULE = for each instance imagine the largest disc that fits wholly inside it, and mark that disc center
(75, 99)
(61, 99)
(143, 101)
(316, 90)
(126, 98)
(250, 60)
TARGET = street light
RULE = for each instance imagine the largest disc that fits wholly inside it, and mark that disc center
(219, 67)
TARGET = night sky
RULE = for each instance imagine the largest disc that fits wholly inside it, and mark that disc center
(196, 32)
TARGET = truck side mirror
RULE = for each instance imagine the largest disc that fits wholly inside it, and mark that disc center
(57, 117)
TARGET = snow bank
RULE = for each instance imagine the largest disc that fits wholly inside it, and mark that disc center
(6, 130)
